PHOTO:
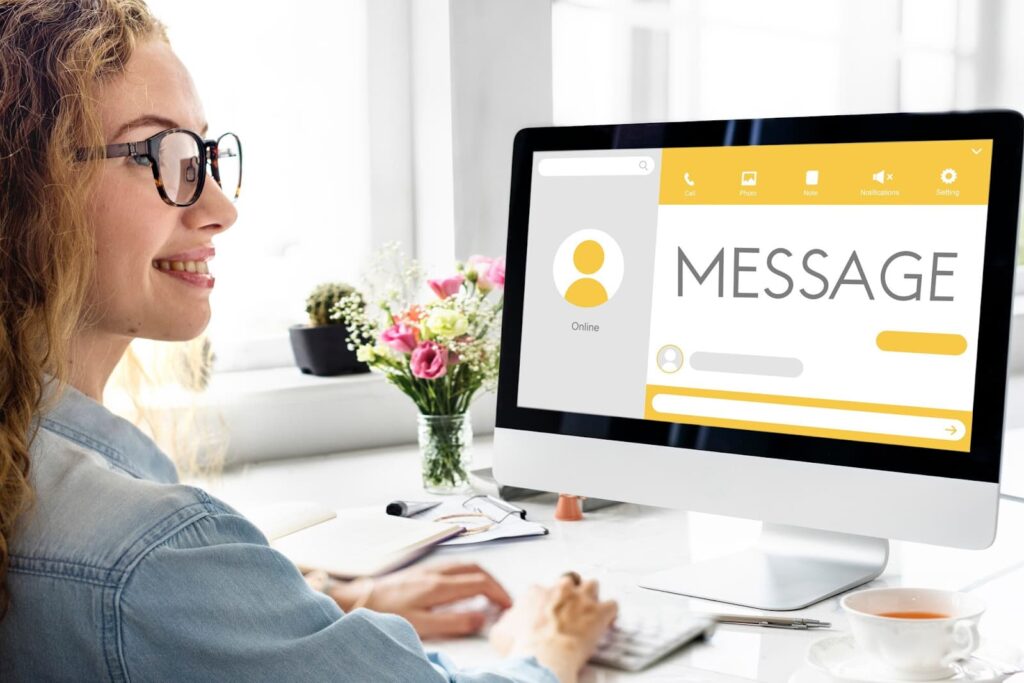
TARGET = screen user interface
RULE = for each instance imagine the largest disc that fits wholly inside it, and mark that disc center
(825, 290)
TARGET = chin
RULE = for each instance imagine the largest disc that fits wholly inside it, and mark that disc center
(186, 328)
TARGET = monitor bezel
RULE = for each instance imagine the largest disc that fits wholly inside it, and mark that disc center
(982, 463)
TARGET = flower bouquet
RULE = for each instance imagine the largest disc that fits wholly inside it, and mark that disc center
(440, 352)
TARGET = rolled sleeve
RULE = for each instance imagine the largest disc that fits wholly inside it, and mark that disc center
(519, 669)
(213, 602)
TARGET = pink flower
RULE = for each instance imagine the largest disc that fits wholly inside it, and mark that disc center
(429, 360)
(446, 287)
(490, 272)
(400, 337)
(497, 272)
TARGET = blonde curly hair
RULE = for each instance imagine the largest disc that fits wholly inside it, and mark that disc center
(53, 56)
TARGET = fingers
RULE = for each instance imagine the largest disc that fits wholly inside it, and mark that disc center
(609, 609)
(505, 600)
(574, 577)
(572, 589)
(565, 587)
(430, 624)
(460, 568)
(460, 586)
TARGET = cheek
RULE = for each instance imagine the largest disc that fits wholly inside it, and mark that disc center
(129, 228)
(126, 221)
(125, 244)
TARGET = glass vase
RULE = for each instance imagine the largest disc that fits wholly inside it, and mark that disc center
(446, 450)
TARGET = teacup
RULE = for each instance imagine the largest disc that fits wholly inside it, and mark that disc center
(916, 634)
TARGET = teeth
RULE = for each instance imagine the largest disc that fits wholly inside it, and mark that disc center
(183, 266)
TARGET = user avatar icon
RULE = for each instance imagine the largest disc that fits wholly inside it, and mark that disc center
(588, 268)
(669, 358)
(587, 292)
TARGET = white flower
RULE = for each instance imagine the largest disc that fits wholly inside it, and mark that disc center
(447, 324)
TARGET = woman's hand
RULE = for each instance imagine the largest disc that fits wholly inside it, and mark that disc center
(413, 593)
(559, 625)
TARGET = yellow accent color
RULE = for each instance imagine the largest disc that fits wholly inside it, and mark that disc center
(586, 293)
(962, 444)
(588, 257)
(922, 342)
(846, 173)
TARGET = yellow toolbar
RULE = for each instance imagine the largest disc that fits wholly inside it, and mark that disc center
(931, 172)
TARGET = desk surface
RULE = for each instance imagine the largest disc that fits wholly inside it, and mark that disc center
(617, 545)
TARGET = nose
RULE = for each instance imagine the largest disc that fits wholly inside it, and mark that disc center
(214, 210)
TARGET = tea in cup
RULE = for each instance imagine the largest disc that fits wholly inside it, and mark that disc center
(917, 634)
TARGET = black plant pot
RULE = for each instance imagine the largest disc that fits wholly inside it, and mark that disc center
(322, 350)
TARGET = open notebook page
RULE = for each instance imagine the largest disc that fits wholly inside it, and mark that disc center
(363, 542)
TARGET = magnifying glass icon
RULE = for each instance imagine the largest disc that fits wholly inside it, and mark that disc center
(643, 165)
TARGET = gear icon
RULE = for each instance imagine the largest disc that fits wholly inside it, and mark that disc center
(948, 176)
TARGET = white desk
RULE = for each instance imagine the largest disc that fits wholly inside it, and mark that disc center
(616, 545)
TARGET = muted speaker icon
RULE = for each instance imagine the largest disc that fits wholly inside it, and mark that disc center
(879, 177)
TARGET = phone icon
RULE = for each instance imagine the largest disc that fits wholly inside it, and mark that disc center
(686, 179)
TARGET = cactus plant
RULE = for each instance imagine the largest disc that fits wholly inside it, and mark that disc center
(322, 347)
(321, 301)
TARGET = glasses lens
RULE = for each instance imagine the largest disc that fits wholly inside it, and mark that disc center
(179, 167)
(229, 165)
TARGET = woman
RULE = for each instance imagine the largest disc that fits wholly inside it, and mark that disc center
(109, 569)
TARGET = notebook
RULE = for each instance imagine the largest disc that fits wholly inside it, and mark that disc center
(348, 543)
(280, 519)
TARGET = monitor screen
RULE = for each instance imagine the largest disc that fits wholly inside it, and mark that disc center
(834, 290)
(823, 290)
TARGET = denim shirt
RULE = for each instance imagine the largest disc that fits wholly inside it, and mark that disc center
(119, 573)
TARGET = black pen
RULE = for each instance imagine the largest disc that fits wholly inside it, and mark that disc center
(409, 508)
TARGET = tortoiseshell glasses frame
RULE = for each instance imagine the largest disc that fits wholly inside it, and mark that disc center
(147, 152)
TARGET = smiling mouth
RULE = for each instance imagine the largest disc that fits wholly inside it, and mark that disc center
(183, 266)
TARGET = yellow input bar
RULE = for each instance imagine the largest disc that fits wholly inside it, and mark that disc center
(807, 416)
(921, 342)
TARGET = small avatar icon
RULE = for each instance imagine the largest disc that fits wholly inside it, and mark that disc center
(587, 292)
(670, 358)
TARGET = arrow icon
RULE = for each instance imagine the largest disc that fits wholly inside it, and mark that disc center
(951, 429)
(976, 150)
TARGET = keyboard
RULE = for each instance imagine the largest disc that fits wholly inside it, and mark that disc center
(640, 637)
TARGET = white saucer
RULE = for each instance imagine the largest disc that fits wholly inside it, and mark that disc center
(838, 657)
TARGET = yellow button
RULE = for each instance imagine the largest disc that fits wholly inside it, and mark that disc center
(922, 342)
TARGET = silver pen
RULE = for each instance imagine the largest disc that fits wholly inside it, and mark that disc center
(770, 622)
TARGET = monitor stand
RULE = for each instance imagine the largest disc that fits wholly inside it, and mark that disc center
(788, 568)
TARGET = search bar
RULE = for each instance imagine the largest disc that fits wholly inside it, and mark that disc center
(596, 166)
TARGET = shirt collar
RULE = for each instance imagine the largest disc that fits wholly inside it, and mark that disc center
(122, 444)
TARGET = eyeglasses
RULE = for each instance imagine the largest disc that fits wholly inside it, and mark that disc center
(179, 158)
(494, 509)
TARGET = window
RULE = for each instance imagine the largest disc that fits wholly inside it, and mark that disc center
(643, 60)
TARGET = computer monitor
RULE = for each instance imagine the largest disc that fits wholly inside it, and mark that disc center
(803, 321)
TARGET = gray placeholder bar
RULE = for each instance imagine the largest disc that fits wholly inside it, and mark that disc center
(744, 364)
